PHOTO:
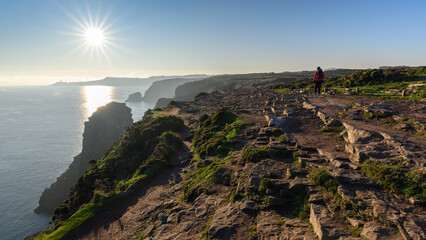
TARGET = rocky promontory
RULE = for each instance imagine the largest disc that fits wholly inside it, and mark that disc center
(102, 129)
(165, 88)
(135, 97)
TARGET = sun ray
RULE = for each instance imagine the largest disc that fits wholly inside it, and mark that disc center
(93, 33)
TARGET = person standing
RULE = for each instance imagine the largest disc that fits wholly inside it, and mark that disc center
(319, 78)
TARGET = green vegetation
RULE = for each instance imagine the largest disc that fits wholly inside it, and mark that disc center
(275, 132)
(203, 179)
(320, 176)
(264, 184)
(295, 156)
(397, 179)
(145, 149)
(374, 82)
(254, 154)
(205, 233)
(82, 215)
(356, 231)
(283, 138)
(421, 134)
(303, 205)
(253, 232)
(335, 130)
(215, 133)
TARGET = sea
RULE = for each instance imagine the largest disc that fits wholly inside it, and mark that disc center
(41, 131)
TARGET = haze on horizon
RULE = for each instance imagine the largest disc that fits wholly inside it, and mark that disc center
(74, 40)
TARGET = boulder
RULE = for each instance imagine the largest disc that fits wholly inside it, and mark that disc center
(404, 126)
(324, 226)
(355, 135)
(328, 120)
(374, 231)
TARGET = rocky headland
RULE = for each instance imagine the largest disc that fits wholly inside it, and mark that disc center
(265, 162)
(135, 97)
(102, 129)
(165, 88)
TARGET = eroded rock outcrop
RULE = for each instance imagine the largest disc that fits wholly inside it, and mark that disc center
(102, 129)
(135, 97)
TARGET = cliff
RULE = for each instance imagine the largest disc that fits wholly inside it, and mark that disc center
(265, 162)
(102, 129)
(165, 88)
(187, 91)
(135, 97)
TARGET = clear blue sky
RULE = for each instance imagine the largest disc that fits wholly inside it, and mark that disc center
(39, 41)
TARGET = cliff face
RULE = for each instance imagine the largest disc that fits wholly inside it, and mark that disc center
(102, 129)
(165, 88)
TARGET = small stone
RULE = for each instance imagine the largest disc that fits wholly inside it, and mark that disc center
(297, 184)
(355, 222)
(316, 199)
(414, 201)
(404, 126)
(248, 206)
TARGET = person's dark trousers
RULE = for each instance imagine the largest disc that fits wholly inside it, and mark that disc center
(318, 87)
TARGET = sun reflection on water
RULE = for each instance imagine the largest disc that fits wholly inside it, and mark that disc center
(96, 96)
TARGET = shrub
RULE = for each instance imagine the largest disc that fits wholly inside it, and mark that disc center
(320, 176)
(397, 179)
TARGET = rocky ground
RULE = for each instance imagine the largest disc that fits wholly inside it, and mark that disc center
(277, 197)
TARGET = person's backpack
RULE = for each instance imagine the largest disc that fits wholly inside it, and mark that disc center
(320, 74)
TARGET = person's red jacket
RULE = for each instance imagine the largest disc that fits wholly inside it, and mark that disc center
(317, 78)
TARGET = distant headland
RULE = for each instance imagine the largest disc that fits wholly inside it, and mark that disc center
(122, 81)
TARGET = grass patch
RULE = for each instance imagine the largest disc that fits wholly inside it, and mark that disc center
(215, 133)
(421, 134)
(254, 154)
(335, 130)
(205, 233)
(253, 232)
(295, 155)
(202, 180)
(397, 179)
(78, 218)
(264, 184)
(321, 177)
(283, 138)
(356, 231)
(303, 206)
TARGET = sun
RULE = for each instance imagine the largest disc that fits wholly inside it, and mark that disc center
(94, 37)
